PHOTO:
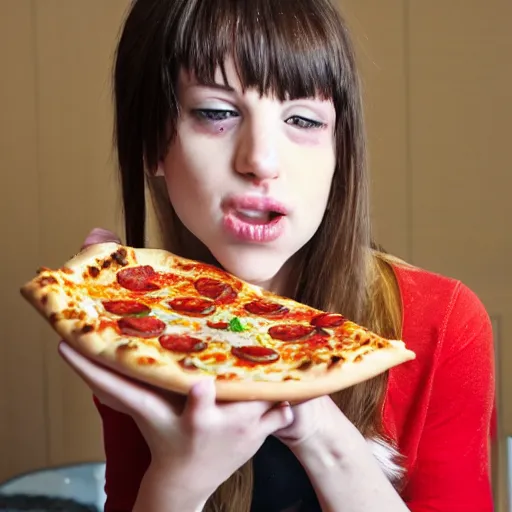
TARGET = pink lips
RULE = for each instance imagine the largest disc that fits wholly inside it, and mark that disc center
(254, 218)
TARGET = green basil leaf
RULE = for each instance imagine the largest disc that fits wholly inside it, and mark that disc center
(235, 325)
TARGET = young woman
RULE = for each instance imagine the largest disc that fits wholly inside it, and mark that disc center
(232, 111)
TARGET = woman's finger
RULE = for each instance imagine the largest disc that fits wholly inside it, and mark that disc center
(201, 396)
(135, 398)
(99, 236)
(279, 417)
(102, 381)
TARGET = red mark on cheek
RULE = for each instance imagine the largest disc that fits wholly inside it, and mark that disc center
(209, 128)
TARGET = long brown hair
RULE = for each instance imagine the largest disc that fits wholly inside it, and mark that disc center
(293, 49)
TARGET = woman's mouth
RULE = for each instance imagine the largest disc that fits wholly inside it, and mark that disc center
(257, 216)
(254, 218)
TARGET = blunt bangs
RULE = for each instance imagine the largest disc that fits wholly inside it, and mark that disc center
(287, 48)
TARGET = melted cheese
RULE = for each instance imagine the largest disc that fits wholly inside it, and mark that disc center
(216, 359)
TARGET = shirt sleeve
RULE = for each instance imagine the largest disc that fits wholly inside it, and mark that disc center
(452, 472)
(127, 459)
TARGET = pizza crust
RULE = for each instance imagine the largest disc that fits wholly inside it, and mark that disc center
(145, 363)
(171, 377)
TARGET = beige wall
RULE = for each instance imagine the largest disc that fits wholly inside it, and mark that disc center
(438, 87)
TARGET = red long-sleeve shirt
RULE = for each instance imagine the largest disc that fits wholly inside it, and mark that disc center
(438, 407)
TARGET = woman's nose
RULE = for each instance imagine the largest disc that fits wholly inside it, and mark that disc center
(257, 152)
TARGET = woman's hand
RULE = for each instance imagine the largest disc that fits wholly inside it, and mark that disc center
(335, 455)
(198, 442)
(316, 419)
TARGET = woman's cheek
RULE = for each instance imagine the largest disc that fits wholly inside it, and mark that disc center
(309, 137)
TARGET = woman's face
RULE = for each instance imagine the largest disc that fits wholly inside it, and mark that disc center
(249, 176)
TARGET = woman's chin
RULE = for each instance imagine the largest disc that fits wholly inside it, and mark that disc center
(260, 268)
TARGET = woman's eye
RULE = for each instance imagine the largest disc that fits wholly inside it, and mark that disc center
(208, 114)
(304, 122)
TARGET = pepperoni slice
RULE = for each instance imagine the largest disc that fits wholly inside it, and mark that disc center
(266, 309)
(143, 327)
(255, 354)
(217, 325)
(216, 290)
(138, 279)
(193, 306)
(327, 320)
(290, 332)
(125, 307)
(181, 343)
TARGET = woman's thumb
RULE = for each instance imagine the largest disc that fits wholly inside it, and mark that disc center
(99, 236)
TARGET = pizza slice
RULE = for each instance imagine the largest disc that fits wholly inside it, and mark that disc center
(170, 321)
